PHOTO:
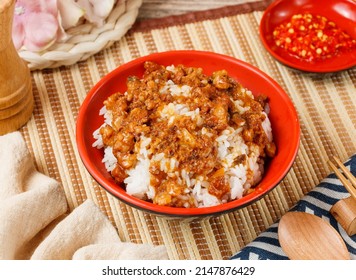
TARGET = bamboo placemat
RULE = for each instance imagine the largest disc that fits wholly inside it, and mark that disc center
(325, 104)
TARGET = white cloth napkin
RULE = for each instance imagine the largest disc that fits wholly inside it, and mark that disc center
(34, 223)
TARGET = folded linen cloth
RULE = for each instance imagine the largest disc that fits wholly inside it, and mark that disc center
(34, 223)
(317, 202)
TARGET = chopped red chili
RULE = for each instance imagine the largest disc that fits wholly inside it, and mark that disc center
(312, 37)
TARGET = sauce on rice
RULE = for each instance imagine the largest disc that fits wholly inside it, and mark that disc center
(184, 139)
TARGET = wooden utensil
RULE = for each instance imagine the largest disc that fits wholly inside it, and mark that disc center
(344, 211)
(304, 236)
(16, 99)
(349, 181)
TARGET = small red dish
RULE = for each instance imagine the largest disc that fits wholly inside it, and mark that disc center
(283, 117)
(341, 12)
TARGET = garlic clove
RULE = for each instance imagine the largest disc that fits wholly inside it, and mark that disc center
(37, 41)
(70, 13)
(96, 11)
(18, 33)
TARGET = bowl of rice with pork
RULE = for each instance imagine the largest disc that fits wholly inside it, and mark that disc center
(187, 133)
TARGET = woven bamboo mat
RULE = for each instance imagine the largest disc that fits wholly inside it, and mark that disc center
(325, 104)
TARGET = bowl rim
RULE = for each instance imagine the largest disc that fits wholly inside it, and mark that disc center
(305, 67)
(175, 211)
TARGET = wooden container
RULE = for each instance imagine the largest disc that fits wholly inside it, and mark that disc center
(344, 211)
(16, 99)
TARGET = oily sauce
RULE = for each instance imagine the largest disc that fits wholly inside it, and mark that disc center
(312, 37)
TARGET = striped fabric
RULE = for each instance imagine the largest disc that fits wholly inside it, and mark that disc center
(317, 202)
(325, 104)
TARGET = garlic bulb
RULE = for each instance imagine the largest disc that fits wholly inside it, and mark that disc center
(38, 24)
(35, 25)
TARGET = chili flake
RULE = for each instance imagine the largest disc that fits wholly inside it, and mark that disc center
(312, 37)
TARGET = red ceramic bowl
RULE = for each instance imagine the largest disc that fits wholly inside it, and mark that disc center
(342, 12)
(283, 117)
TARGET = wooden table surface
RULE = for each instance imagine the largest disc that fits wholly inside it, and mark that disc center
(161, 8)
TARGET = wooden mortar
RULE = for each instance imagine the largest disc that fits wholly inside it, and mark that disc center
(16, 99)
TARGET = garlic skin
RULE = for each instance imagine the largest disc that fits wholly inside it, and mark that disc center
(96, 11)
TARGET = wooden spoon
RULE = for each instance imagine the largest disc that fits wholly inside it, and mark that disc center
(304, 236)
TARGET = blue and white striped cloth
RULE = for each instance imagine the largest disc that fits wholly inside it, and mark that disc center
(317, 202)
